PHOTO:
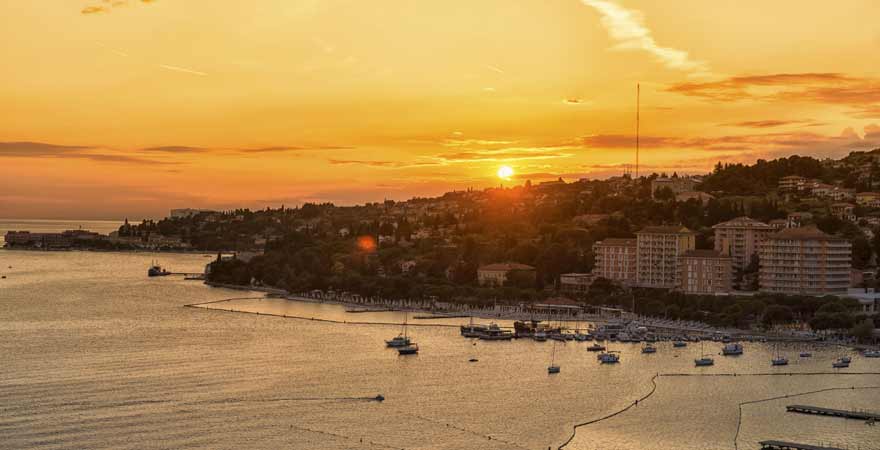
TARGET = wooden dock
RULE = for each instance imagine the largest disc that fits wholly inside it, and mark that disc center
(860, 415)
(782, 445)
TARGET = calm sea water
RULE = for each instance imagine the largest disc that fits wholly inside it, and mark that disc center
(96, 355)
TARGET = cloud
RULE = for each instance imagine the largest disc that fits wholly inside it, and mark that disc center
(182, 70)
(94, 10)
(291, 148)
(175, 149)
(363, 162)
(44, 150)
(626, 27)
(766, 123)
(801, 141)
(859, 93)
(108, 5)
(504, 154)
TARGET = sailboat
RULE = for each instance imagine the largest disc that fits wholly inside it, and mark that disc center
(474, 356)
(703, 360)
(401, 340)
(553, 367)
(779, 360)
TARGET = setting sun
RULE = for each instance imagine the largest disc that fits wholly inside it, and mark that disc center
(505, 172)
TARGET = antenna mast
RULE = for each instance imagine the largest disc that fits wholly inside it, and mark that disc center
(638, 102)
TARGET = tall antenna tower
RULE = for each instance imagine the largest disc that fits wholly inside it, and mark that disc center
(638, 104)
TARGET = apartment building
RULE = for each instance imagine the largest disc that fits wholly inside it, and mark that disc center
(658, 250)
(741, 239)
(805, 261)
(615, 259)
(705, 272)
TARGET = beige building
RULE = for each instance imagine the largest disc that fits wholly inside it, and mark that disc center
(496, 274)
(791, 183)
(740, 238)
(615, 259)
(805, 261)
(658, 250)
(575, 283)
(706, 272)
(675, 184)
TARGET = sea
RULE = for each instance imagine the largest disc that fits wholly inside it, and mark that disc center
(96, 355)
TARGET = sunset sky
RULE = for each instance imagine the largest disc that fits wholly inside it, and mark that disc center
(129, 108)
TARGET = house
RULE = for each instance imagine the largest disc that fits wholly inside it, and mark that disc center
(497, 274)
(791, 183)
(844, 211)
(694, 195)
(575, 283)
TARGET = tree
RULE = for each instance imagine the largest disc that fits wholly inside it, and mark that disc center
(863, 331)
(776, 314)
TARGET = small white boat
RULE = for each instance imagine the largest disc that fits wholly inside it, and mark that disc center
(596, 348)
(840, 364)
(398, 341)
(679, 344)
(846, 359)
(553, 368)
(408, 350)
(704, 361)
(871, 354)
(806, 355)
(540, 336)
(779, 361)
(609, 358)
(732, 349)
(649, 349)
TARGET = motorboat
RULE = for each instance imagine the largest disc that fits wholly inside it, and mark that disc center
(411, 349)
(840, 364)
(679, 344)
(494, 333)
(732, 349)
(806, 355)
(596, 348)
(580, 337)
(649, 349)
(871, 354)
(846, 359)
(779, 361)
(156, 270)
(609, 358)
(553, 368)
(540, 336)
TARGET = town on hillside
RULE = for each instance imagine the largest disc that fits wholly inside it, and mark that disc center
(777, 243)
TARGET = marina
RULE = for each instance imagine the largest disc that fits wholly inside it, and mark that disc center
(783, 445)
(846, 414)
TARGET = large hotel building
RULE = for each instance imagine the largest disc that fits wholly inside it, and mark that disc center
(658, 252)
(615, 259)
(741, 238)
(805, 261)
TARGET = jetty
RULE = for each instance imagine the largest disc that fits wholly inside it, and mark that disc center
(860, 415)
(782, 445)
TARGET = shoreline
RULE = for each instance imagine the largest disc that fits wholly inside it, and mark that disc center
(659, 326)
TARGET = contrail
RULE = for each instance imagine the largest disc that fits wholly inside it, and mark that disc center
(496, 69)
(182, 69)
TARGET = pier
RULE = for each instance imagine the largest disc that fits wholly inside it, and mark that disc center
(860, 415)
(782, 445)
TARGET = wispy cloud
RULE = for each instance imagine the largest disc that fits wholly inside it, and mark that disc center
(770, 123)
(370, 163)
(507, 154)
(182, 69)
(174, 149)
(627, 28)
(44, 150)
(861, 94)
(800, 141)
(108, 5)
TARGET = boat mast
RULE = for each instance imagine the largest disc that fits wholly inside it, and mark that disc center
(638, 102)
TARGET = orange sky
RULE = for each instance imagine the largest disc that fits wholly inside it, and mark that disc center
(130, 108)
